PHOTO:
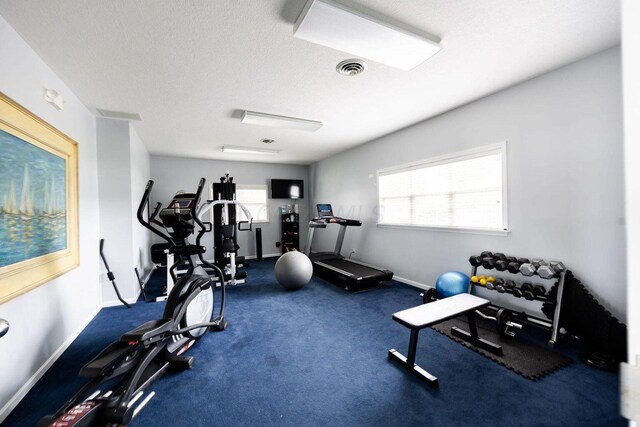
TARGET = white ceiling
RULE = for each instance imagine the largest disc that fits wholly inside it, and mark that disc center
(190, 68)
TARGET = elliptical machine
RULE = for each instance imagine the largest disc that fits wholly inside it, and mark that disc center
(144, 354)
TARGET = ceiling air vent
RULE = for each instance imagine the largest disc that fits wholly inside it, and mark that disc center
(351, 67)
(118, 115)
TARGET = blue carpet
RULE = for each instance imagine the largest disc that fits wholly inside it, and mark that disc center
(318, 357)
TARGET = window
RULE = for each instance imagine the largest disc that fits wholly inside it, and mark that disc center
(254, 198)
(459, 191)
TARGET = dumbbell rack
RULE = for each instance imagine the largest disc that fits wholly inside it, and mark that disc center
(553, 326)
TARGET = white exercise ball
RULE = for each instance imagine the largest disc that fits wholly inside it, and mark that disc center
(293, 270)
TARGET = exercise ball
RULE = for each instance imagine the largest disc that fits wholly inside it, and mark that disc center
(293, 270)
(452, 283)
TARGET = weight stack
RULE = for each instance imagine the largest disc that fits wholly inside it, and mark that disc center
(259, 244)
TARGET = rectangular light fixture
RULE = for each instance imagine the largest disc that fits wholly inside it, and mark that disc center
(272, 120)
(333, 25)
(248, 150)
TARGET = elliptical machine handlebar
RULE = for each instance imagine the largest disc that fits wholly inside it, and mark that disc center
(143, 203)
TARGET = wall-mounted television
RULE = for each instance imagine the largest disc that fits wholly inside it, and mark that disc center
(287, 189)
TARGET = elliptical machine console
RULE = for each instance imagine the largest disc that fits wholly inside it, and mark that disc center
(144, 354)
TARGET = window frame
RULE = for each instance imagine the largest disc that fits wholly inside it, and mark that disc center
(500, 147)
(255, 187)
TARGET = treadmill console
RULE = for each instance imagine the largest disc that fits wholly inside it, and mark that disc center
(324, 211)
(325, 216)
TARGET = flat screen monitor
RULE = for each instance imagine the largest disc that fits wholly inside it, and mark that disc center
(287, 189)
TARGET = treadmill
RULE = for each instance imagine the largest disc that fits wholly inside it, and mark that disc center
(351, 275)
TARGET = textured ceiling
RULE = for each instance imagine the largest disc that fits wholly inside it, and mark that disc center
(190, 67)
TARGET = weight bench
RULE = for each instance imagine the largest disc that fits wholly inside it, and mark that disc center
(425, 315)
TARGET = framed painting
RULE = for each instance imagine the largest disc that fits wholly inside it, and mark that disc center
(38, 201)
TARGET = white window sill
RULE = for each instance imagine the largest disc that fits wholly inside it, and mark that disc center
(489, 231)
(261, 222)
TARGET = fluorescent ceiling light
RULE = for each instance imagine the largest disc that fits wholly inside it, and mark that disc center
(333, 25)
(263, 119)
(248, 150)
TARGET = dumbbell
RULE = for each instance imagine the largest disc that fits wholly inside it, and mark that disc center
(491, 284)
(511, 259)
(516, 292)
(537, 262)
(514, 266)
(510, 285)
(549, 271)
(500, 256)
(500, 286)
(482, 280)
(539, 290)
(528, 269)
(475, 260)
(527, 291)
(486, 254)
(489, 262)
(501, 265)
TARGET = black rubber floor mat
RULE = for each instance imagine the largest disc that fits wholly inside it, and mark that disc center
(525, 358)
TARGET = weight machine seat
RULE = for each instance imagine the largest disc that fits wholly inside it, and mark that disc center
(422, 316)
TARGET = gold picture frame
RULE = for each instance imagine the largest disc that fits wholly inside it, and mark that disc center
(38, 201)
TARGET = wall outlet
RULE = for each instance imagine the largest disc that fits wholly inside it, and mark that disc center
(277, 244)
(353, 251)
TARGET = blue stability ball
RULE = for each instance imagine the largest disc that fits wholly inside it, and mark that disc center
(293, 270)
(452, 283)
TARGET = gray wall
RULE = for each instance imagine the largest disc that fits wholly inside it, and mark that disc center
(565, 181)
(45, 320)
(631, 70)
(114, 179)
(173, 173)
(140, 174)
(123, 170)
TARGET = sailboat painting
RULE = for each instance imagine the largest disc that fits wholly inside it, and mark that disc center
(32, 201)
(39, 210)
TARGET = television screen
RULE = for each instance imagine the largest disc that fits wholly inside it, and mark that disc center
(287, 189)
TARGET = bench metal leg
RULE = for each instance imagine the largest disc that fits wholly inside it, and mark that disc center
(473, 338)
(409, 362)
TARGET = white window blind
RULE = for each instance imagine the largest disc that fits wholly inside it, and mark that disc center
(254, 198)
(461, 191)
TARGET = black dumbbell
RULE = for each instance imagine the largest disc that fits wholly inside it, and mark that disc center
(486, 253)
(489, 262)
(501, 265)
(511, 259)
(513, 267)
(549, 271)
(475, 260)
(491, 285)
(500, 288)
(516, 292)
(527, 291)
(500, 256)
(539, 290)
(510, 285)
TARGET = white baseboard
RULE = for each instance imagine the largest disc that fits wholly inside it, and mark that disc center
(22, 392)
(412, 283)
(115, 302)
